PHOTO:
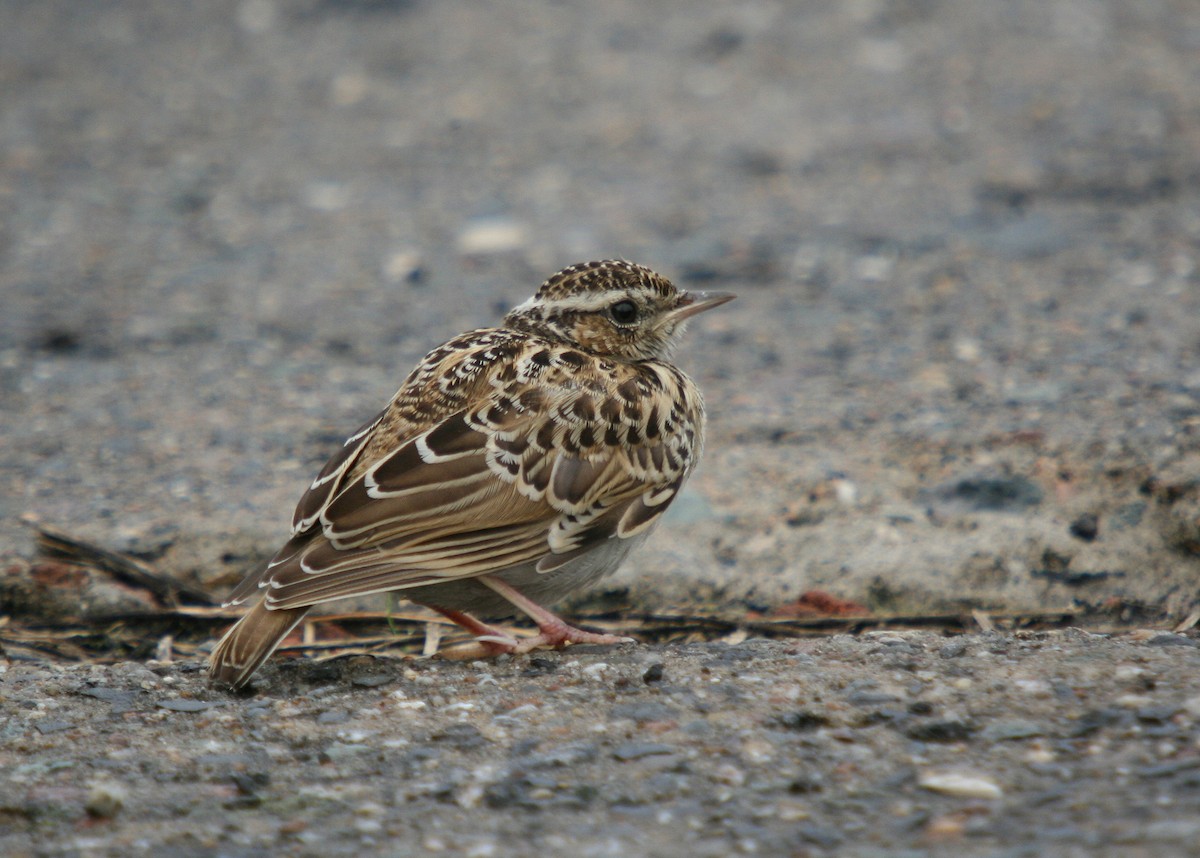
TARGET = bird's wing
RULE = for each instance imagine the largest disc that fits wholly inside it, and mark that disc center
(510, 482)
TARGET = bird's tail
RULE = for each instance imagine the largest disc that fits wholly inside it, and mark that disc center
(250, 642)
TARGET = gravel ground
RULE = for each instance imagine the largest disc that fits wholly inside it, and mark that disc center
(1066, 744)
(961, 375)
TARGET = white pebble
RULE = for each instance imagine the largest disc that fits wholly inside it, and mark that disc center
(595, 671)
(490, 235)
(960, 784)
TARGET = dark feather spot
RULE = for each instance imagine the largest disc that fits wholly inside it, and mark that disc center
(587, 438)
(584, 408)
(512, 446)
(496, 414)
(539, 478)
(545, 435)
(629, 390)
(541, 358)
(652, 427)
(573, 359)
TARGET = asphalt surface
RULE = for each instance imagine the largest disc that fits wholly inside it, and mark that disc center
(961, 376)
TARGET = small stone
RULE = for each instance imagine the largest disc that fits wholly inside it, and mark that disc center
(1168, 639)
(1034, 687)
(1086, 527)
(595, 671)
(462, 736)
(654, 673)
(491, 235)
(1002, 731)
(960, 784)
(1094, 720)
(373, 680)
(643, 712)
(871, 698)
(115, 696)
(572, 754)
(52, 725)
(988, 493)
(1157, 714)
(757, 751)
(728, 773)
(639, 750)
(105, 799)
(953, 649)
(949, 730)
(802, 720)
(403, 266)
(187, 705)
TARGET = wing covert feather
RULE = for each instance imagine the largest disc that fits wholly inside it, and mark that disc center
(516, 479)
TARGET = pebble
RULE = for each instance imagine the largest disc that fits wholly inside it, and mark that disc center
(639, 750)
(1172, 640)
(403, 266)
(573, 754)
(1000, 731)
(105, 799)
(372, 680)
(595, 671)
(52, 725)
(802, 720)
(643, 712)
(188, 705)
(490, 236)
(115, 696)
(960, 784)
(991, 493)
(946, 730)
(953, 649)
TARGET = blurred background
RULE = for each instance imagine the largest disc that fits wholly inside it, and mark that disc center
(961, 372)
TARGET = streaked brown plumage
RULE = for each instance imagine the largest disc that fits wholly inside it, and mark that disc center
(515, 465)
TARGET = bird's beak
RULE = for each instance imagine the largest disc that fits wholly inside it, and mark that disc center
(692, 303)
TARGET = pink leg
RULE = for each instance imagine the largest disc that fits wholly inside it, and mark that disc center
(554, 631)
(492, 639)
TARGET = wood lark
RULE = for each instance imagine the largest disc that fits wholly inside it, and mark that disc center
(515, 465)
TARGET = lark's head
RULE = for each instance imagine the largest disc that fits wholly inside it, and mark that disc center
(612, 308)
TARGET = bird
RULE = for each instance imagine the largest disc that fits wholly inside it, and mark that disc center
(515, 465)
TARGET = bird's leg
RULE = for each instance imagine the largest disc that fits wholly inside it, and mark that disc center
(493, 640)
(555, 632)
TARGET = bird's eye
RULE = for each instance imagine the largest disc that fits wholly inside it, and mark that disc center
(624, 312)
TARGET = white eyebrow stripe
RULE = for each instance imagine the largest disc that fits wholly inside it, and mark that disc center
(576, 303)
